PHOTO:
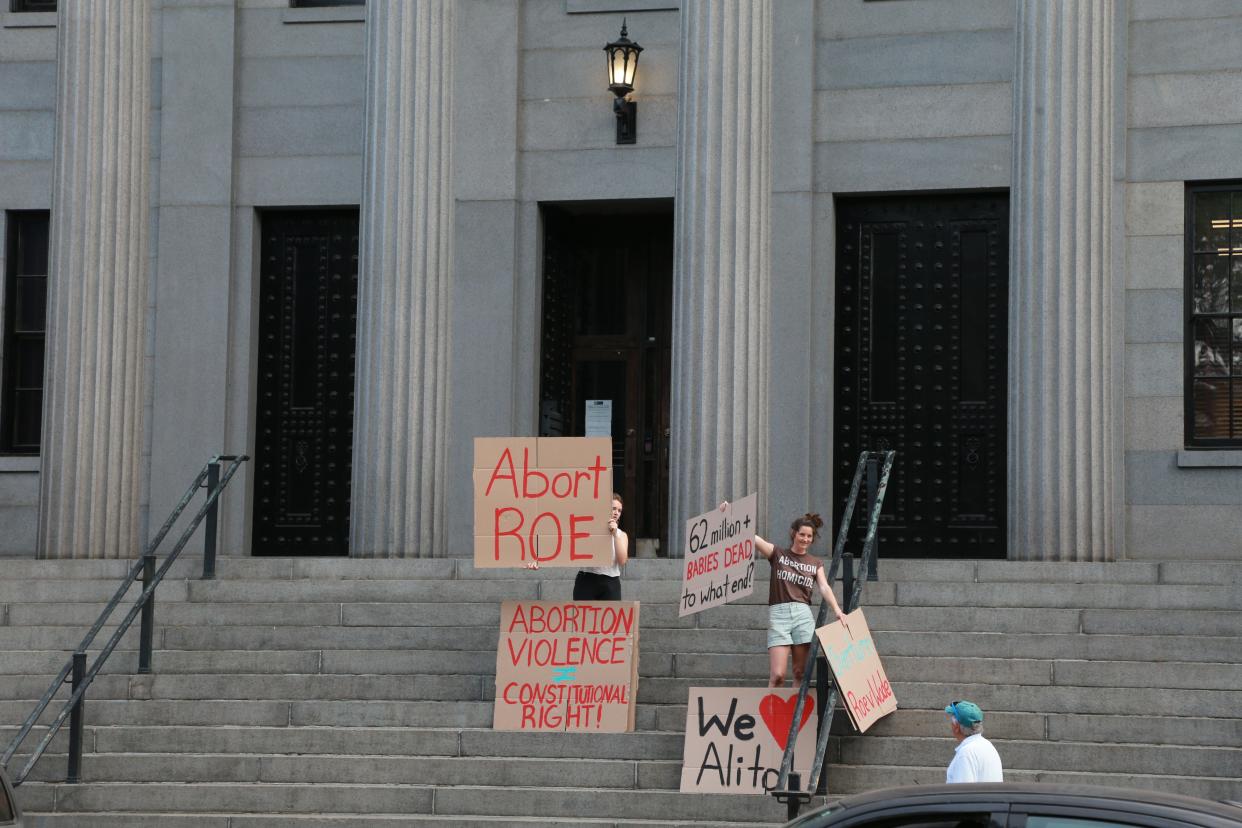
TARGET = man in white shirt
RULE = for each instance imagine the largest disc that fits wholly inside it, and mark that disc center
(975, 760)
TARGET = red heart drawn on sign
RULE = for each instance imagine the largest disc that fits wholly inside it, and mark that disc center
(777, 713)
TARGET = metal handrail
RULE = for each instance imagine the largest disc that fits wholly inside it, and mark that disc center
(877, 485)
(144, 602)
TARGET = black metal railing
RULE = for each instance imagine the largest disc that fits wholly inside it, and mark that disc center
(875, 466)
(75, 670)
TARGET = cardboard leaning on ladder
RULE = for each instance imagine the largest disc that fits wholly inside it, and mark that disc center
(864, 689)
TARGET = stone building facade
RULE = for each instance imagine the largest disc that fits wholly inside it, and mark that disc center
(1003, 238)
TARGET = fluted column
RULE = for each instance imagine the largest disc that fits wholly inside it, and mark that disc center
(400, 427)
(1061, 418)
(97, 288)
(721, 274)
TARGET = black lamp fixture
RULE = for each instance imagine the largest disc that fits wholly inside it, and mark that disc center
(622, 64)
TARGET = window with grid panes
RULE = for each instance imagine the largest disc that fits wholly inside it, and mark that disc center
(1214, 315)
(25, 322)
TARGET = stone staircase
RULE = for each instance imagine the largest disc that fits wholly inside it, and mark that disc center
(357, 693)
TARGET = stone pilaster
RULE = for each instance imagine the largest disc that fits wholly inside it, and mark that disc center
(400, 419)
(1062, 470)
(97, 285)
(719, 438)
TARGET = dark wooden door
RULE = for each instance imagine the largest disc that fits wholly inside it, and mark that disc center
(607, 322)
(308, 298)
(922, 304)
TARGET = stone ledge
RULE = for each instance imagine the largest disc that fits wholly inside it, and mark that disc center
(1209, 459)
(27, 20)
(327, 14)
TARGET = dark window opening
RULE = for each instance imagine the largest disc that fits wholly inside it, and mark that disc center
(25, 325)
(319, 4)
(33, 5)
(1213, 315)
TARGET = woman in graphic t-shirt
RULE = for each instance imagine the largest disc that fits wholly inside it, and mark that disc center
(790, 620)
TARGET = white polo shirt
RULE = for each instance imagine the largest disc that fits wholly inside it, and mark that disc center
(975, 761)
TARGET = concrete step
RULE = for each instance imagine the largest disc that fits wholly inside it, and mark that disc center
(1078, 647)
(664, 774)
(190, 614)
(893, 570)
(385, 740)
(476, 800)
(847, 779)
(1168, 597)
(1041, 755)
(1007, 697)
(158, 712)
(36, 662)
(268, 687)
(101, 820)
(373, 769)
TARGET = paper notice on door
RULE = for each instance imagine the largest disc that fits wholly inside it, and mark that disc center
(598, 418)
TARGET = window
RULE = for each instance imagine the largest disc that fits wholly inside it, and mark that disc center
(317, 4)
(25, 322)
(1036, 821)
(1214, 315)
(33, 5)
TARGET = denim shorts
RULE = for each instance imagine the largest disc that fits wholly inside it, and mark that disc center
(790, 623)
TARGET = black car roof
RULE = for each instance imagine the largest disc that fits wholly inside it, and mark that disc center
(1036, 793)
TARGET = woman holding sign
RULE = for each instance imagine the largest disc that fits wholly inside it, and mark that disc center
(603, 583)
(791, 624)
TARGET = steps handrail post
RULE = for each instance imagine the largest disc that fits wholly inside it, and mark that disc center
(873, 480)
(209, 529)
(148, 615)
(847, 582)
(97, 665)
(825, 718)
(793, 804)
(75, 721)
(132, 576)
(873, 522)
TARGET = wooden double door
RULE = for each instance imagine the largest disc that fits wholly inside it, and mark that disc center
(921, 348)
(607, 324)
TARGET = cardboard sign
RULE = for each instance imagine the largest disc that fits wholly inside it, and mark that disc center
(719, 557)
(865, 692)
(567, 666)
(544, 499)
(735, 738)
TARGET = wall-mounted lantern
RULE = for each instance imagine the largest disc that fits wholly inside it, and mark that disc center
(622, 56)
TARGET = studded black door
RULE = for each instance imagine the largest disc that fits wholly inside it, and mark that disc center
(308, 300)
(922, 293)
